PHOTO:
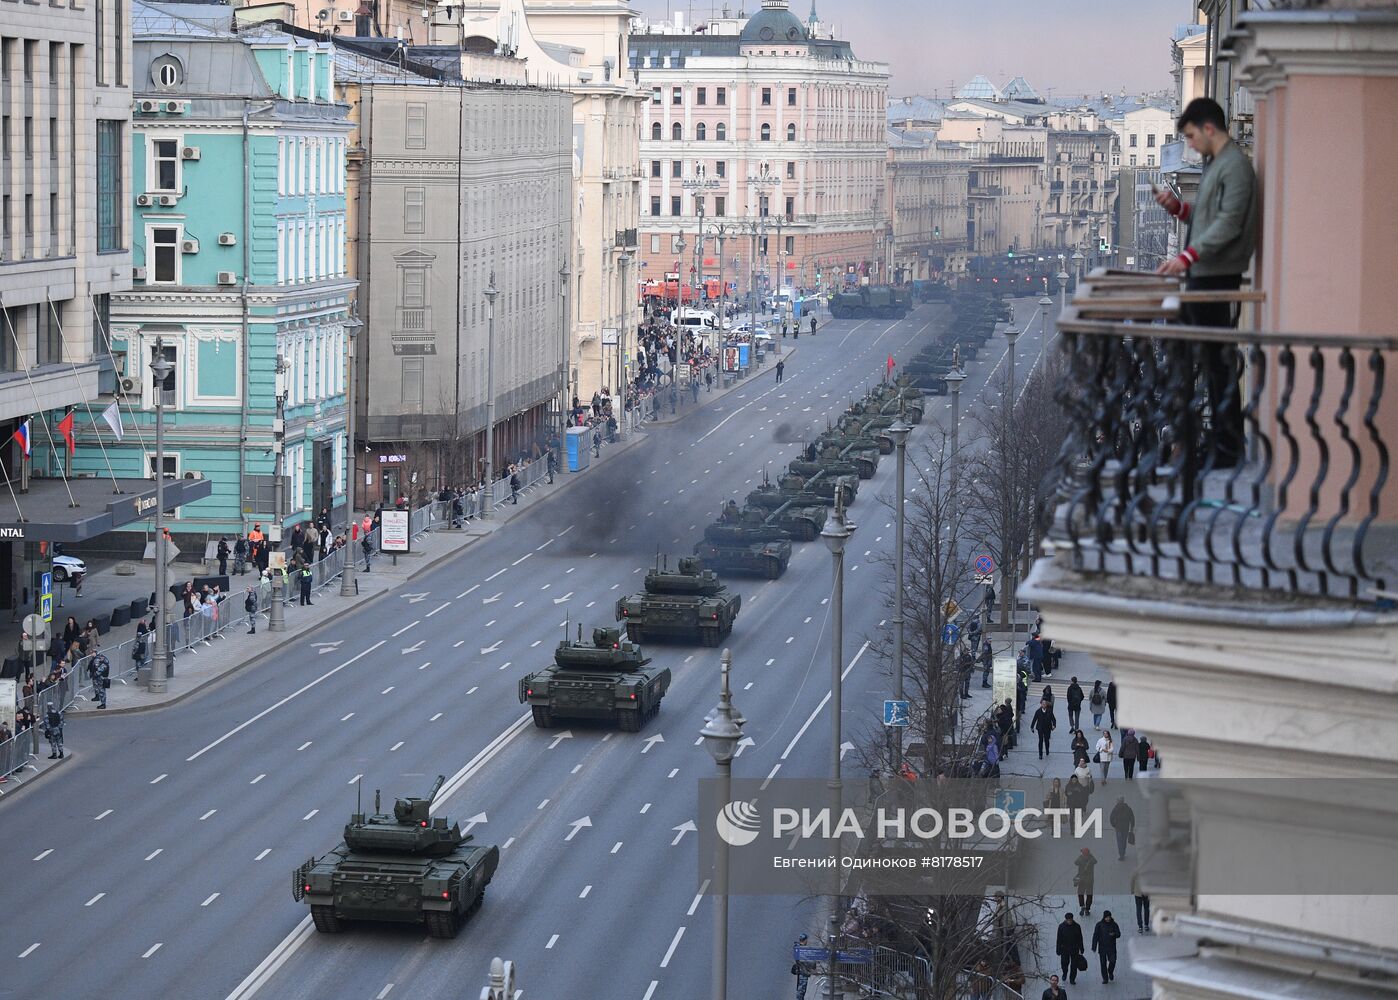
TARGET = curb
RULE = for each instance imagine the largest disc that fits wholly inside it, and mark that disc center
(52, 766)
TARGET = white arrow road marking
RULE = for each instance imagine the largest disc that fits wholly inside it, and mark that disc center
(746, 741)
(686, 827)
(413, 648)
(492, 600)
(322, 648)
(845, 748)
(473, 822)
(577, 825)
(567, 734)
(414, 598)
(486, 650)
(560, 600)
(652, 741)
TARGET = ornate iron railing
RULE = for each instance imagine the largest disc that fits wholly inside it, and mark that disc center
(1218, 456)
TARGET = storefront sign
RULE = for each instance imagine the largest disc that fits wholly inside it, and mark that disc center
(391, 459)
(394, 534)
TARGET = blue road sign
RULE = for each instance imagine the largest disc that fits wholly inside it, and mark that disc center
(46, 596)
(951, 632)
(895, 713)
(855, 956)
(1010, 799)
(804, 954)
(985, 565)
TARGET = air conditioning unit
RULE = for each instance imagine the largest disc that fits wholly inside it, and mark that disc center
(150, 106)
(168, 200)
(189, 153)
(143, 199)
(138, 274)
(227, 278)
(346, 16)
(129, 386)
(227, 240)
(189, 246)
(176, 107)
(193, 475)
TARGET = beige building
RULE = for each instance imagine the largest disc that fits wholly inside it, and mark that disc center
(1005, 185)
(1081, 190)
(1265, 657)
(927, 203)
(454, 183)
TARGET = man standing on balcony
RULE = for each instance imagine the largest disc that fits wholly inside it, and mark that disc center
(1220, 237)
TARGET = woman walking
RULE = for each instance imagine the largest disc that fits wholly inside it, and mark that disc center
(1097, 702)
(1104, 752)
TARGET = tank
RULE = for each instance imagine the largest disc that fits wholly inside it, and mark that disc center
(818, 492)
(799, 522)
(688, 603)
(859, 449)
(407, 866)
(822, 483)
(605, 679)
(767, 559)
(871, 302)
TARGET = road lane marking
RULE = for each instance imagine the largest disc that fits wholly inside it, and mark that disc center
(264, 853)
(541, 805)
(670, 952)
(425, 665)
(94, 899)
(403, 629)
(770, 775)
(309, 815)
(435, 717)
(304, 745)
(473, 690)
(823, 702)
(521, 559)
(384, 992)
(585, 891)
(395, 746)
(212, 897)
(103, 814)
(616, 847)
(674, 772)
(44, 854)
(28, 951)
(645, 808)
(492, 576)
(346, 718)
(576, 768)
(552, 941)
(152, 949)
(387, 689)
(540, 548)
(770, 662)
(467, 591)
(445, 604)
(272, 708)
(651, 991)
(207, 815)
(698, 896)
(159, 778)
(354, 780)
(152, 854)
(746, 687)
(507, 843)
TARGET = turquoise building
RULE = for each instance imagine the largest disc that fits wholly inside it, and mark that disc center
(238, 184)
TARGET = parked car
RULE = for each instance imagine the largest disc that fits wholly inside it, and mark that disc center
(758, 332)
(67, 567)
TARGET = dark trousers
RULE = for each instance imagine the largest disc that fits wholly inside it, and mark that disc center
(1129, 764)
(1069, 970)
(1107, 960)
(1085, 899)
(306, 592)
(1142, 913)
(1044, 743)
(1120, 844)
(1074, 716)
(1218, 369)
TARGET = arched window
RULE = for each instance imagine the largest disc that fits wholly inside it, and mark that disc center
(791, 132)
(721, 131)
(655, 131)
(766, 132)
(701, 132)
(676, 132)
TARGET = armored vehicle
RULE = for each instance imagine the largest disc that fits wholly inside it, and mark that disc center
(767, 559)
(605, 679)
(871, 302)
(688, 602)
(816, 489)
(406, 867)
(825, 461)
(863, 451)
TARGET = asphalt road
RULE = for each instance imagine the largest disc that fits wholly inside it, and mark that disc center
(159, 863)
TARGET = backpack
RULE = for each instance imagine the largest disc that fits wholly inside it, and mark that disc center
(250, 603)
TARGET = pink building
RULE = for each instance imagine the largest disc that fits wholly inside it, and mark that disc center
(770, 133)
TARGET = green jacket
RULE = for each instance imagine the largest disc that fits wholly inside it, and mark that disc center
(1222, 229)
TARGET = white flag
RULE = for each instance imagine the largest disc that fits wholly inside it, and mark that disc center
(112, 415)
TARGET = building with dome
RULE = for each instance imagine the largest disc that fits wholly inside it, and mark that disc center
(771, 128)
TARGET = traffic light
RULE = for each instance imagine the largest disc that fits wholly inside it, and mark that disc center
(1102, 245)
(937, 232)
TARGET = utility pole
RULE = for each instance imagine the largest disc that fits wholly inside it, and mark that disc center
(160, 646)
(490, 293)
(348, 585)
(276, 621)
(564, 400)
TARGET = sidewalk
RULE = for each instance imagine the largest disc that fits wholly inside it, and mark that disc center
(686, 407)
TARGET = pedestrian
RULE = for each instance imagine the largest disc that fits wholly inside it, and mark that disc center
(1034, 648)
(367, 548)
(306, 578)
(1085, 862)
(1130, 750)
(1079, 748)
(250, 606)
(1054, 991)
(708, 380)
(1123, 821)
(1104, 937)
(71, 631)
(1021, 696)
(140, 646)
(514, 488)
(1111, 701)
(967, 667)
(1097, 704)
(1220, 237)
(53, 732)
(1069, 947)
(801, 971)
(597, 441)
(1142, 913)
(1074, 697)
(1054, 799)
(987, 661)
(1144, 753)
(1104, 751)
(1043, 724)
(240, 555)
(813, 326)
(551, 465)
(223, 553)
(1075, 795)
(781, 369)
(99, 672)
(1005, 719)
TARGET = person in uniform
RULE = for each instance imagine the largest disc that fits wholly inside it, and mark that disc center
(730, 513)
(53, 732)
(306, 579)
(98, 671)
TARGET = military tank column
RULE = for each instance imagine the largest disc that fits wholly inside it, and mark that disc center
(606, 680)
(973, 318)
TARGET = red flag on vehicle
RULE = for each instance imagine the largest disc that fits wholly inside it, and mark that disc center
(65, 426)
(891, 363)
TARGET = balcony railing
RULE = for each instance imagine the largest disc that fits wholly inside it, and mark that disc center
(626, 238)
(1201, 454)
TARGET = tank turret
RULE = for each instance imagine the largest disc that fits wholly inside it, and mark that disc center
(686, 603)
(410, 829)
(608, 651)
(689, 577)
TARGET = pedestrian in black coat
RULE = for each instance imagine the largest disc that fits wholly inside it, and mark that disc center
(1054, 991)
(1111, 701)
(1074, 697)
(1104, 937)
(223, 552)
(1044, 724)
(1068, 946)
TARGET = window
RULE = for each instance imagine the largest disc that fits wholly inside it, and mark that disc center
(171, 462)
(48, 334)
(791, 132)
(762, 204)
(28, 137)
(1150, 159)
(167, 387)
(1133, 159)
(655, 132)
(164, 252)
(165, 164)
(414, 210)
(676, 132)
(721, 131)
(53, 139)
(721, 96)
(790, 207)
(675, 206)
(790, 245)
(676, 169)
(413, 381)
(655, 204)
(414, 287)
(676, 96)
(655, 168)
(699, 205)
(701, 95)
(655, 95)
(721, 168)
(53, 222)
(1133, 140)
(1150, 141)
(109, 193)
(655, 241)
(416, 135)
(720, 206)
(791, 170)
(701, 132)
(766, 132)
(766, 97)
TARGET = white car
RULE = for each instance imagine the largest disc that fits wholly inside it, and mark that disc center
(67, 567)
(759, 332)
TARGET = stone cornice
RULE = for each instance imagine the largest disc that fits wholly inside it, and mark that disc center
(1268, 47)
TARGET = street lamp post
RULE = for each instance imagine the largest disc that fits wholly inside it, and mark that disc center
(160, 367)
(954, 378)
(564, 401)
(490, 293)
(1077, 266)
(276, 617)
(681, 245)
(836, 534)
(721, 734)
(348, 585)
(898, 431)
(618, 388)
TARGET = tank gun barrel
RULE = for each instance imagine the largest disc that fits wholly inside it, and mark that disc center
(436, 787)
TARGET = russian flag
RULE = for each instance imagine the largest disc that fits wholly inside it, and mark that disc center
(22, 436)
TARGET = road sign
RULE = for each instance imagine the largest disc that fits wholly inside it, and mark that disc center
(855, 956)
(985, 565)
(951, 632)
(895, 712)
(986, 578)
(36, 634)
(950, 609)
(46, 597)
(1011, 800)
(803, 953)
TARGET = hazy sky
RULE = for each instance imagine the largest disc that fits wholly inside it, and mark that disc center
(1069, 46)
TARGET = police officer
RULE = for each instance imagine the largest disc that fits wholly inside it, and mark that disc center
(552, 464)
(306, 577)
(98, 671)
(813, 326)
(367, 548)
(53, 732)
(250, 606)
(801, 971)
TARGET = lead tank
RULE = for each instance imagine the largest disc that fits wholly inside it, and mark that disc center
(404, 867)
(605, 679)
(688, 602)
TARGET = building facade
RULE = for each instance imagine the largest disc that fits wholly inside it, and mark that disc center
(1080, 200)
(457, 183)
(777, 132)
(927, 203)
(1005, 182)
(238, 150)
